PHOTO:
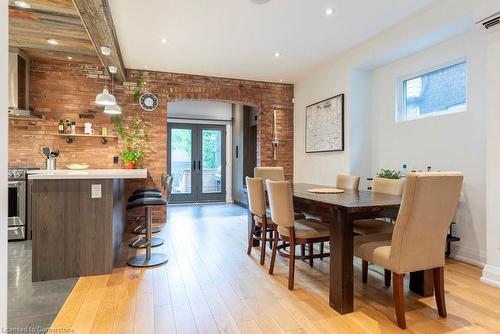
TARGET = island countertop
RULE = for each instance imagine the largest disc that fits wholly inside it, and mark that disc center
(87, 174)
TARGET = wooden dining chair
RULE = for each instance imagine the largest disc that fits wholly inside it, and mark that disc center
(261, 221)
(286, 227)
(419, 238)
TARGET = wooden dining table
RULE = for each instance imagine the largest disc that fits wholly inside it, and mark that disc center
(340, 210)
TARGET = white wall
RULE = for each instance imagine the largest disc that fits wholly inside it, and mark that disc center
(368, 148)
(360, 126)
(449, 142)
(3, 162)
(491, 272)
(443, 20)
(211, 110)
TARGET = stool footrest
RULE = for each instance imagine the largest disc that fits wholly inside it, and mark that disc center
(141, 229)
(142, 242)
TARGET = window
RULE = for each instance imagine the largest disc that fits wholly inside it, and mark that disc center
(432, 93)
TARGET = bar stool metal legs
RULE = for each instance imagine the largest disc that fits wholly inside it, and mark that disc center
(141, 241)
(149, 259)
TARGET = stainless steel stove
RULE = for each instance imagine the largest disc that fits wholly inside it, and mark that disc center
(18, 228)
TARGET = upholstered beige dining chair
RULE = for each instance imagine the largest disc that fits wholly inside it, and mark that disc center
(269, 173)
(383, 186)
(261, 222)
(377, 226)
(348, 182)
(273, 174)
(419, 238)
(286, 227)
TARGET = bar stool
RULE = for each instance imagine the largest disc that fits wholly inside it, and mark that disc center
(147, 192)
(148, 259)
(141, 242)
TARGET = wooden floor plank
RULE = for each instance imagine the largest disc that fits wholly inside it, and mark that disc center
(210, 285)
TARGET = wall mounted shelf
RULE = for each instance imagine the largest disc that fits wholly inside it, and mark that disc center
(71, 137)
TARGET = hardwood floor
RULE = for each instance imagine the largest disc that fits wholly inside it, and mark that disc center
(210, 285)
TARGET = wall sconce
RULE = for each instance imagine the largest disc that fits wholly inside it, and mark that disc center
(275, 141)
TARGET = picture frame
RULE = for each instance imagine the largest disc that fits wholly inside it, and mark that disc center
(325, 125)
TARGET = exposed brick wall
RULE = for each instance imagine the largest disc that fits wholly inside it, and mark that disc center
(66, 89)
(61, 91)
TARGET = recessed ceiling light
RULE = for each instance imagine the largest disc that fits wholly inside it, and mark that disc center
(164, 40)
(105, 50)
(277, 54)
(22, 4)
(281, 80)
(69, 57)
(53, 41)
(329, 11)
(145, 67)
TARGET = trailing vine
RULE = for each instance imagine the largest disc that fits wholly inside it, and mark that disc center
(140, 82)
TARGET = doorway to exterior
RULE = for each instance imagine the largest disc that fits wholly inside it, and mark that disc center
(197, 161)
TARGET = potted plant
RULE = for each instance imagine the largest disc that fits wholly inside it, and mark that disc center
(389, 174)
(131, 158)
(133, 130)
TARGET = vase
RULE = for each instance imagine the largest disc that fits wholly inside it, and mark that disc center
(129, 165)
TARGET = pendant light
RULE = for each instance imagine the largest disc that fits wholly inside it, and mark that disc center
(113, 109)
(104, 98)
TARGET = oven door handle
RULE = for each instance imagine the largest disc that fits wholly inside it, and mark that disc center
(13, 184)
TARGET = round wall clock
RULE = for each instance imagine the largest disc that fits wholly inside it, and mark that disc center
(148, 101)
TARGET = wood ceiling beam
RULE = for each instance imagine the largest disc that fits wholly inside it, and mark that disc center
(96, 17)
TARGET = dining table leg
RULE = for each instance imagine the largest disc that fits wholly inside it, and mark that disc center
(421, 282)
(341, 261)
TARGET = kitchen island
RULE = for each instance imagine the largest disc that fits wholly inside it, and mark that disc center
(78, 220)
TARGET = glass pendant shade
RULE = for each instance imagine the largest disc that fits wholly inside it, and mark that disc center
(104, 98)
(113, 109)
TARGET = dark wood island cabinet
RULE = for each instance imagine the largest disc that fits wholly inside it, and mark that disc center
(78, 221)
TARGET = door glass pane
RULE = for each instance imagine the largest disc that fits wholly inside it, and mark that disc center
(180, 146)
(211, 161)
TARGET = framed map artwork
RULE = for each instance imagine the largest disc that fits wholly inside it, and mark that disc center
(325, 125)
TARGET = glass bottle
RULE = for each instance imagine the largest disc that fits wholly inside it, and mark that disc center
(60, 128)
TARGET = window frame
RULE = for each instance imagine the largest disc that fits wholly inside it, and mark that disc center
(400, 114)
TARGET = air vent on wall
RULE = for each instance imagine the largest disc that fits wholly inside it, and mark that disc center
(491, 22)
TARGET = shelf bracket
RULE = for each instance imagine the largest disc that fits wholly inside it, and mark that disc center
(104, 141)
(69, 140)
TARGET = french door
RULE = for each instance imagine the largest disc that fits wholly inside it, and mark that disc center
(197, 161)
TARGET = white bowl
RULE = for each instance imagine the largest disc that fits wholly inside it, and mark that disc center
(77, 166)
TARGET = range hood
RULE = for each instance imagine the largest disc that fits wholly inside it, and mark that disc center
(18, 86)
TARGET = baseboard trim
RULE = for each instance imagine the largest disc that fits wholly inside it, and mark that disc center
(468, 255)
(491, 275)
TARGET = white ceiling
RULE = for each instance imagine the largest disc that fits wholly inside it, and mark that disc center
(238, 38)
